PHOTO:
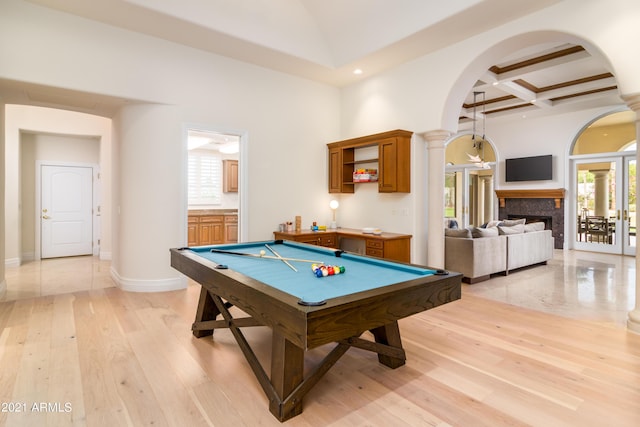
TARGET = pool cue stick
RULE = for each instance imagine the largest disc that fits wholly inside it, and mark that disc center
(283, 260)
(222, 251)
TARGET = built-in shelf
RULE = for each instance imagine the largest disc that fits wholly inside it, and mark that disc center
(359, 162)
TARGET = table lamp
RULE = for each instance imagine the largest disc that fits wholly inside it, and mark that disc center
(333, 205)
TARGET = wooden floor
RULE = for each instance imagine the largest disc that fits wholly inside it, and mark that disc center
(104, 357)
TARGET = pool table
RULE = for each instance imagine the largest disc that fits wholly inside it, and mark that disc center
(305, 311)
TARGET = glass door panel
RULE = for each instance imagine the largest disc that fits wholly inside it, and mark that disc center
(598, 225)
(629, 207)
(456, 197)
(469, 196)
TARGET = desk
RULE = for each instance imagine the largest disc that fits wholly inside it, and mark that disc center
(391, 246)
(371, 295)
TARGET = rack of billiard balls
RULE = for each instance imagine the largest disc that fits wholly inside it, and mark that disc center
(321, 270)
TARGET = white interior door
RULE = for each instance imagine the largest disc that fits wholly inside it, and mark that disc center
(66, 211)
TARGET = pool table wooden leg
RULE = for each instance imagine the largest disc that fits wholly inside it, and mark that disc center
(287, 372)
(206, 310)
(389, 334)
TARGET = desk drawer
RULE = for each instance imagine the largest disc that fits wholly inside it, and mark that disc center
(375, 252)
(375, 244)
(329, 241)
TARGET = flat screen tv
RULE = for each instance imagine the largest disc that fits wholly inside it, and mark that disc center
(537, 168)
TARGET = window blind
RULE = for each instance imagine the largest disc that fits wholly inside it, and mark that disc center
(205, 178)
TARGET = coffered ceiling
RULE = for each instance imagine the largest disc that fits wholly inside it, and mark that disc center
(325, 40)
(544, 79)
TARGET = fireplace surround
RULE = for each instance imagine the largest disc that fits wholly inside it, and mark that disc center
(546, 205)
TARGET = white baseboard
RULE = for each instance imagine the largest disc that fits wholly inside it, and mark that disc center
(12, 262)
(137, 285)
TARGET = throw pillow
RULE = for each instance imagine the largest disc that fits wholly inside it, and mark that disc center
(457, 232)
(484, 232)
(534, 226)
(514, 229)
(511, 222)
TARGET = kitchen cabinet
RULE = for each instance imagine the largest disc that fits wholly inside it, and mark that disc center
(212, 227)
(230, 176)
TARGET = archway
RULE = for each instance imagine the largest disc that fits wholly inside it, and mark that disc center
(520, 56)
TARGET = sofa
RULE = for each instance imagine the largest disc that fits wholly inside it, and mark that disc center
(497, 247)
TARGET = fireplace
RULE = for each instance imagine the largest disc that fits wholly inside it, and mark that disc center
(535, 205)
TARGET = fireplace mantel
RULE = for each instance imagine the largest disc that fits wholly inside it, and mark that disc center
(557, 194)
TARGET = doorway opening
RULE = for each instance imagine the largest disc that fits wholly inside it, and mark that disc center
(71, 154)
(214, 186)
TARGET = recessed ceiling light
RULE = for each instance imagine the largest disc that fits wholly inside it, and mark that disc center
(357, 71)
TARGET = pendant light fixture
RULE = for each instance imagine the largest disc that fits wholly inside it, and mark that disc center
(478, 142)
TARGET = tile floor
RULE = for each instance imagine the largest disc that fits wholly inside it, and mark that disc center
(583, 285)
(576, 284)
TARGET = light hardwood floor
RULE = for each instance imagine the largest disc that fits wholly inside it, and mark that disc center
(103, 357)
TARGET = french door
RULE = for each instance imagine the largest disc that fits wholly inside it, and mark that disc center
(604, 204)
(469, 195)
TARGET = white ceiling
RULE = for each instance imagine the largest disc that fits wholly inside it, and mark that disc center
(325, 40)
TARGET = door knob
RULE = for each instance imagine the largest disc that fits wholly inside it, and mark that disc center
(46, 217)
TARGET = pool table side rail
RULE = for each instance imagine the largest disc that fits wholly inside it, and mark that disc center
(351, 316)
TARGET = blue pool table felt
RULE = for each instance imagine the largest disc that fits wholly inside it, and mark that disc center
(361, 273)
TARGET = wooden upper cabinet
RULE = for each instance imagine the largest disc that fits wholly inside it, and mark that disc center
(393, 162)
(335, 170)
(394, 174)
(230, 176)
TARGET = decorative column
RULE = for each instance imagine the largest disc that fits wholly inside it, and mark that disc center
(150, 197)
(633, 323)
(435, 196)
(601, 178)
